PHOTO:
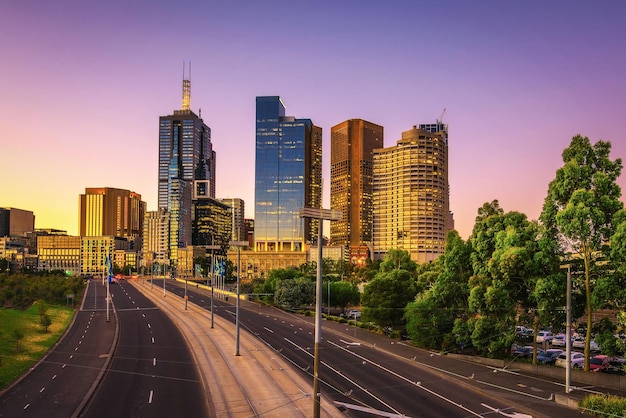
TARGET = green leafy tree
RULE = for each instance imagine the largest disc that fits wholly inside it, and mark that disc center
(18, 336)
(431, 317)
(294, 293)
(505, 273)
(386, 296)
(342, 294)
(580, 208)
(45, 321)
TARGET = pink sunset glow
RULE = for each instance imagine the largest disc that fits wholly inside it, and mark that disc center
(83, 84)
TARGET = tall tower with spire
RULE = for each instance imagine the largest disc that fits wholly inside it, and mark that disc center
(186, 168)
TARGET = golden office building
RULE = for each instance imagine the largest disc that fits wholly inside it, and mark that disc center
(59, 252)
(351, 169)
(411, 194)
(109, 211)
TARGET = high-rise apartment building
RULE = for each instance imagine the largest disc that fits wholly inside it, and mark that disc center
(186, 169)
(352, 145)
(110, 211)
(288, 177)
(411, 194)
(156, 231)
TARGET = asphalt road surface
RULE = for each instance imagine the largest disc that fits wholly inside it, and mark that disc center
(152, 372)
(370, 374)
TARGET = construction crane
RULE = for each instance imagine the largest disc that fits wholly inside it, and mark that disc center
(440, 119)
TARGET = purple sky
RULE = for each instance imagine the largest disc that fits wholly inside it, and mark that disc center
(83, 83)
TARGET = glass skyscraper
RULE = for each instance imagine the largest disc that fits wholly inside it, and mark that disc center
(288, 177)
(186, 169)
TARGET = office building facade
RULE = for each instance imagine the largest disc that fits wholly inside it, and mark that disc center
(59, 252)
(411, 194)
(186, 169)
(238, 221)
(288, 177)
(351, 185)
(111, 211)
(16, 222)
(212, 223)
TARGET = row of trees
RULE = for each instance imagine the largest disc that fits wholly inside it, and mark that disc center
(512, 270)
(21, 290)
(295, 288)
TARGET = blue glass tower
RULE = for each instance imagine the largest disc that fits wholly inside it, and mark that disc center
(288, 177)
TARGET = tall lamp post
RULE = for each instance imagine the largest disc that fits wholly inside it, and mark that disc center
(568, 328)
(238, 244)
(212, 275)
(321, 215)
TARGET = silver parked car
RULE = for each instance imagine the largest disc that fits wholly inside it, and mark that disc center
(577, 360)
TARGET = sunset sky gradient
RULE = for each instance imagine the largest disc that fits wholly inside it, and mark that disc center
(83, 83)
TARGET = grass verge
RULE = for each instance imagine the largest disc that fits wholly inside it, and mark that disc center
(34, 342)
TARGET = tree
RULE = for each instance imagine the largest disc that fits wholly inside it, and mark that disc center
(18, 335)
(45, 322)
(580, 207)
(431, 317)
(386, 296)
(342, 294)
(294, 293)
(505, 272)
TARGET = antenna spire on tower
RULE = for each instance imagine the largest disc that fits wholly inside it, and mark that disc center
(186, 89)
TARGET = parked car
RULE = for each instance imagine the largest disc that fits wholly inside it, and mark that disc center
(579, 342)
(559, 340)
(354, 314)
(544, 336)
(577, 360)
(599, 363)
(549, 356)
(526, 351)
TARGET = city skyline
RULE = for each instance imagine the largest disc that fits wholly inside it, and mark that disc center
(84, 85)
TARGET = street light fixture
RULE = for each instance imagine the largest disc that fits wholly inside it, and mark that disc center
(238, 244)
(321, 215)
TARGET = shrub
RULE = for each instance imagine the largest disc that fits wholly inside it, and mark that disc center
(604, 406)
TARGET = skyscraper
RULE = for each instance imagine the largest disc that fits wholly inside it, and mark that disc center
(186, 169)
(351, 169)
(288, 177)
(111, 211)
(411, 194)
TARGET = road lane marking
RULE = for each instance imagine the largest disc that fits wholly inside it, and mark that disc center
(154, 361)
(268, 330)
(42, 389)
(150, 400)
(26, 406)
(54, 377)
(152, 340)
(398, 375)
(149, 326)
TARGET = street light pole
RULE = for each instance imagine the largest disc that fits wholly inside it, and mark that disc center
(238, 244)
(320, 214)
(211, 275)
(568, 329)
